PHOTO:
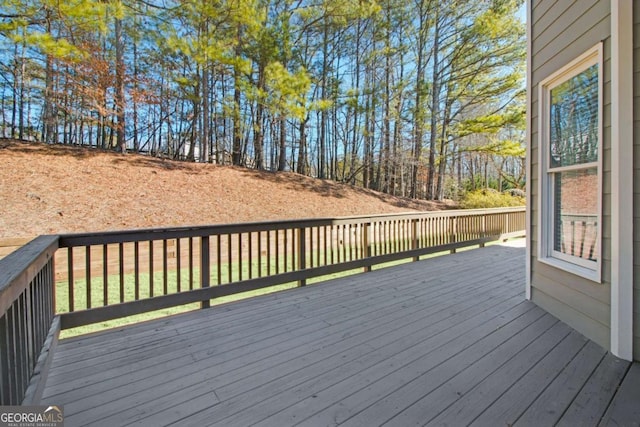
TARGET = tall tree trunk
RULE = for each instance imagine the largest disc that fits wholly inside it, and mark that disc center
(282, 155)
(204, 140)
(136, 141)
(322, 166)
(386, 150)
(302, 150)
(258, 135)
(22, 94)
(206, 114)
(356, 107)
(16, 91)
(418, 116)
(236, 152)
(442, 164)
(194, 127)
(120, 96)
(371, 134)
(435, 109)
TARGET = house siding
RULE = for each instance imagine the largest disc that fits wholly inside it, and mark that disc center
(561, 31)
(636, 183)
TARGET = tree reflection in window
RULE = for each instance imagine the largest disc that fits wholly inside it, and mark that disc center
(574, 120)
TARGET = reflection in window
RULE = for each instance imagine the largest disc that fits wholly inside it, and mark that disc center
(574, 120)
(575, 196)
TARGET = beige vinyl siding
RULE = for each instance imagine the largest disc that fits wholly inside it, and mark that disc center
(636, 184)
(561, 31)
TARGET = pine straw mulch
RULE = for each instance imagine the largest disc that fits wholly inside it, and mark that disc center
(47, 189)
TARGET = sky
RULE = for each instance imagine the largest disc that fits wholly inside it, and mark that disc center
(522, 12)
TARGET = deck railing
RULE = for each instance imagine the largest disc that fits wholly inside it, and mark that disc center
(28, 328)
(103, 276)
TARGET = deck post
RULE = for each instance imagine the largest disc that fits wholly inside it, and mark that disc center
(452, 233)
(506, 225)
(366, 242)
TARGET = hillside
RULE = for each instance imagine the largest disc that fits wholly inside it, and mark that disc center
(56, 189)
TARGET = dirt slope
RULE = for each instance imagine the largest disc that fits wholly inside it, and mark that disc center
(56, 189)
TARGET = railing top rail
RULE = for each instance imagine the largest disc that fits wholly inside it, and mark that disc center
(137, 235)
(20, 267)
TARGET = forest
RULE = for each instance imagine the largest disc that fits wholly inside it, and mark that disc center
(416, 98)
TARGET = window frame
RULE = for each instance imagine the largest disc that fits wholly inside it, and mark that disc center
(591, 270)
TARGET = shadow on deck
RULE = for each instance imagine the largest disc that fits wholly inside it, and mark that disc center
(445, 341)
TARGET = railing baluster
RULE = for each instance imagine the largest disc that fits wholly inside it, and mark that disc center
(286, 250)
(121, 269)
(294, 253)
(250, 260)
(29, 331)
(277, 232)
(302, 256)
(205, 267)
(179, 265)
(19, 339)
(191, 254)
(219, 259)
(13, 355)
(240, 257)
(319, 248)
(105, 276)
(136, 268)
(151, 268)
(70, 280)
(332, 243)
(325, 247)
(165, 279)
(269, 252)
(259, 253)
(5, 373)
(88, 275)
(229, 259)
(8, 358)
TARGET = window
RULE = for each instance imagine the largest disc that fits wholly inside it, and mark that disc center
(570, 156)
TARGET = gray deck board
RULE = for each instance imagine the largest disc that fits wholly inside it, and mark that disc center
(250, 370)
(549, 405)
(241, 344)
(361, 340)
(448, 340)
(625, 408)
(596, 394)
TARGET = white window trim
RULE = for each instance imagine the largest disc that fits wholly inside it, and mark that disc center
(587, 269)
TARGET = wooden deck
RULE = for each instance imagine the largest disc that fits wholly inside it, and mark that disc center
(445, 341)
